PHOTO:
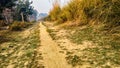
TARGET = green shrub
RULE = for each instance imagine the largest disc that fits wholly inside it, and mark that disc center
(16, 26)
(2, 23)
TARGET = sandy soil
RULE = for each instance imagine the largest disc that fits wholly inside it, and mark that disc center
(51, 51)
(66, 45)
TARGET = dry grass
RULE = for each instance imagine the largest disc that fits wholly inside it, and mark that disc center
(105, 52)
(89, 46)
(83, 11)
(20, 50)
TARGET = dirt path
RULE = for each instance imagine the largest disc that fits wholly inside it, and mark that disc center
(51, 56)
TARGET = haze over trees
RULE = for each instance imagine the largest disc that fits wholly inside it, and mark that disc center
(16, 10)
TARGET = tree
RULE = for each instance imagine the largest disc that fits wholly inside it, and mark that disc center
(23, 10)
(6, 4)
(35, 13)
(55, 11)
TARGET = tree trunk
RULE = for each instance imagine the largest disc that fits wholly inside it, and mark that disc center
(22, 17)
(5, 14)
(6, 19)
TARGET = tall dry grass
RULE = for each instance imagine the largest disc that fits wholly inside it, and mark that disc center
(83, 11)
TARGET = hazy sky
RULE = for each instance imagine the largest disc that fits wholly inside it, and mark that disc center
(43, 6)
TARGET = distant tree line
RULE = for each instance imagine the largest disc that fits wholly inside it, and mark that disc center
(18, 10)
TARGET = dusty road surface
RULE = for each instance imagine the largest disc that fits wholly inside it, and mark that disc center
(51, 56)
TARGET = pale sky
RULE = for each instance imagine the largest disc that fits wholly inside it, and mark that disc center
(43, 6)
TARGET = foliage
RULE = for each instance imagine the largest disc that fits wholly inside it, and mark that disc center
(84, 11)
(6, 4)
(16, 26)
(25, 8)
(54, 13)
(20, 9)
(2, 23)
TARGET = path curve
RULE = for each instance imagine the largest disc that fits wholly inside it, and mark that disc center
(50, 51)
